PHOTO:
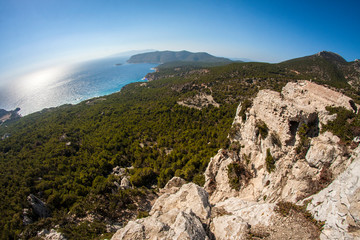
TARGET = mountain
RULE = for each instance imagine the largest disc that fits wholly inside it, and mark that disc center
(268, 137)
(326, 67)
(170, 56)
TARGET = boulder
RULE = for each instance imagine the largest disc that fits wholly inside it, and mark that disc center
(179, 215)
(38, 206)
(189, 197)
(125, 183)
(323, 150)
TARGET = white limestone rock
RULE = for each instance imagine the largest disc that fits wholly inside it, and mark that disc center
(216, 178)
(189, 197)
(125, 183)
(338, 205)
(323, 150)
(301, 102)
(229, 227)
(51, 235)
(178, 215)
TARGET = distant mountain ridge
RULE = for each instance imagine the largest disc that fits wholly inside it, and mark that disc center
(171, 56)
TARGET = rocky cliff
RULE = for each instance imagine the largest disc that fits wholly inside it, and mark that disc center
(282, 177)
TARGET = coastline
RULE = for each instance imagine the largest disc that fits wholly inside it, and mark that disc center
(85, 86)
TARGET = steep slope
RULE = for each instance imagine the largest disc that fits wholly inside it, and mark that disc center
(286, 126)
(279, 156)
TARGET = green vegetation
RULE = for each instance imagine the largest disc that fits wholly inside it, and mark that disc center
(270, 161)
(142, 214)
(245, 105)
(246, 158)
(263, 129)
(346, 125)
(65, 155)
(285, 208)
(304, 142)
(238, 175)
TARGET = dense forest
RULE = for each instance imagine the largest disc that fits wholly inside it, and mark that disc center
(65, 155)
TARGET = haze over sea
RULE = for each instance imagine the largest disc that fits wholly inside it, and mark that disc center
(60, 85)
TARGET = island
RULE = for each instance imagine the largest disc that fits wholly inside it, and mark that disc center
(161, 57)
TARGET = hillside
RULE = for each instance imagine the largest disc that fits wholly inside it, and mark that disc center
(266, 184)
(99, 164)
(9, 115)
(162, 57)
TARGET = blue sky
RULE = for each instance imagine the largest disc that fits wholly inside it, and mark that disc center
(38, 33)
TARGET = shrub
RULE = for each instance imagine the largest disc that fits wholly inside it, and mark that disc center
(142, 214)
(284, 208)
(304, 142)
(199, 179)
(238, 175)
(270, 161)
(263, 129)
(246, 158)
(244, 106)
(346, 125)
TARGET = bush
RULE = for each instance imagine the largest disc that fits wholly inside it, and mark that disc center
(238, 175)
(346, 125)
(142, 214)
(304, 142)
(270, 161)
(263, 129)
(244, 106)
(284, 208)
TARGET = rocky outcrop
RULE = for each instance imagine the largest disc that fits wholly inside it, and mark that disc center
(338, 205)
(124, 179)
(9, 115)
(50, 235)
(189, 197)
(39, 207)
(199, 101)
(187, 214)
(174, 216)
(278, 157)
(270, 127)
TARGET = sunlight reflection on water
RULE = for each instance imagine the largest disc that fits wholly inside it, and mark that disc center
(59, 85)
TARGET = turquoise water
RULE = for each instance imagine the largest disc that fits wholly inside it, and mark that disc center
(72, 84)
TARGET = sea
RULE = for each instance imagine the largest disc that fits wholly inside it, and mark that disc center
(70, 84)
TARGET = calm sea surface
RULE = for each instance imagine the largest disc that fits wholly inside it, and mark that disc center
(70, 84)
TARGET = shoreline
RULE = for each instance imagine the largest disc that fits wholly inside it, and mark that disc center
(84, 98)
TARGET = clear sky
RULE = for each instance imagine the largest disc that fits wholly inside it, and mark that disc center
(36, 33)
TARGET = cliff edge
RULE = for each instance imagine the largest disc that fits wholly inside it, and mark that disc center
(285, 175)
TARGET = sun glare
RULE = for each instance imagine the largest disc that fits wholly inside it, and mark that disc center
(40, 79)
